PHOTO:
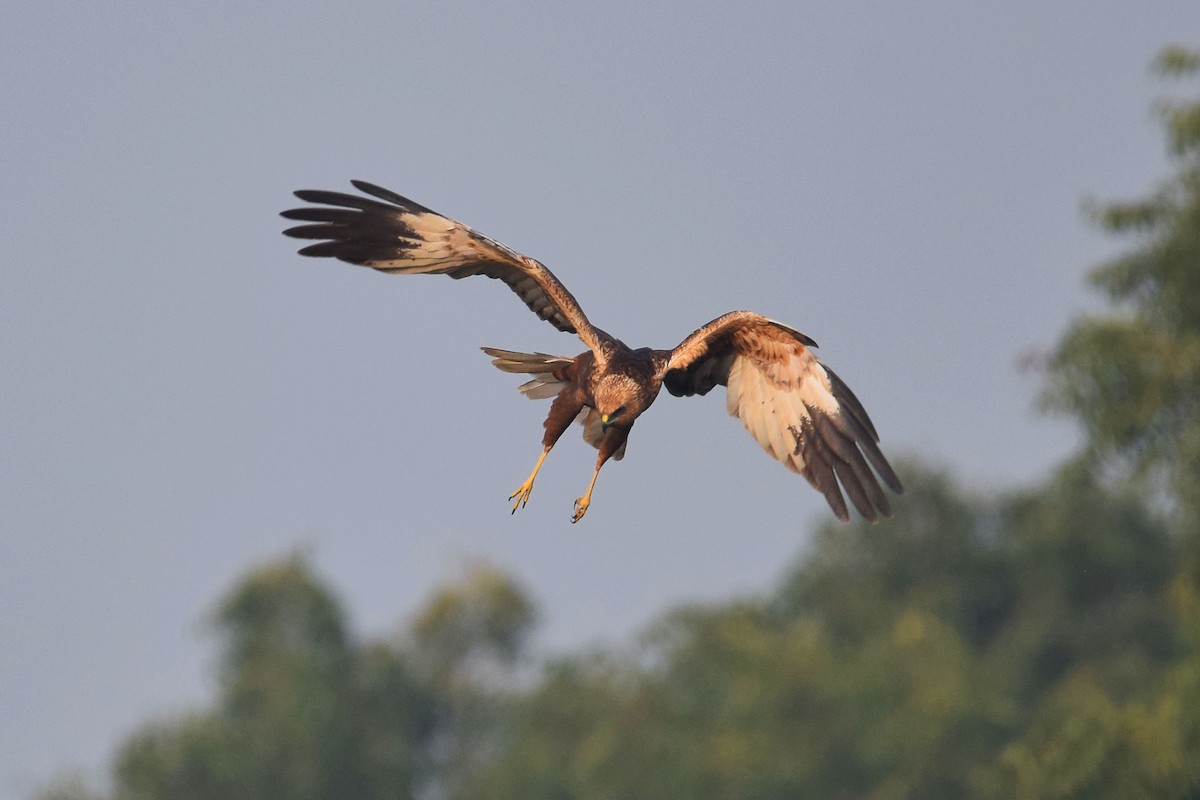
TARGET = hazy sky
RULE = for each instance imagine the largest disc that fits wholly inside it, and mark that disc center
(182, 396)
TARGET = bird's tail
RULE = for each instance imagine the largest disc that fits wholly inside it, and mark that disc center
(548, 370)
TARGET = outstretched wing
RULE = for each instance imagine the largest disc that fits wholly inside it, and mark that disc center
(400, 236)
(796, 407)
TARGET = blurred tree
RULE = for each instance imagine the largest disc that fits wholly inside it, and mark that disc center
(1036, 645)
(304, 713)
(916, 658)
(69, 786)
(466, 642)
(477, 626)
(1125, 719)
(286, 683)
(1132, 377)
(282, 727)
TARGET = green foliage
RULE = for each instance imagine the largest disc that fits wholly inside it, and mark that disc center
(484, 619)
(1132, 377)
(68, 787)
(1040, 644)
(937, 655)
(304, 713)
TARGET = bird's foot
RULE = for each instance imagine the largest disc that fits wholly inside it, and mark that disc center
(521, 495)
(581, 507)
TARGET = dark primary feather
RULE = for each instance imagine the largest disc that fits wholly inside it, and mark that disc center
(390, 196)
(400, 236)
(858, 426)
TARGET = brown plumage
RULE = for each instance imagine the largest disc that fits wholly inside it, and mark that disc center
(796, 407)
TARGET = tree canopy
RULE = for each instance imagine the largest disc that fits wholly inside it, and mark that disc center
(1131, 375)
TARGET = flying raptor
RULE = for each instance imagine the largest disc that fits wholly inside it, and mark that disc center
(801, 413)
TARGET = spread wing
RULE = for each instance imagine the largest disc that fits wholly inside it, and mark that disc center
(796, 407)
(400, 236)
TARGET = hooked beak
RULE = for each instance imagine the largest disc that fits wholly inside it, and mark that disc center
(605, 421)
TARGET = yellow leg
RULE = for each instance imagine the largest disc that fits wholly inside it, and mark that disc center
(581, 505)
(522, 493)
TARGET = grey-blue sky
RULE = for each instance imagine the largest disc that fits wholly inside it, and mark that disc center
(183, 396)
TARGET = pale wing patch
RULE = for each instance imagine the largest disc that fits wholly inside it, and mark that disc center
(787, 400)
(776, 399)
(438, 244)
(798, 410)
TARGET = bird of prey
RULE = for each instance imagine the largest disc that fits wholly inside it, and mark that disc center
(801, 413)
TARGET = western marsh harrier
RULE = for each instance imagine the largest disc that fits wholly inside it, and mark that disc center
(795, 406)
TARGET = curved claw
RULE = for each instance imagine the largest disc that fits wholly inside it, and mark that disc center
(521, 495)
(581, 507)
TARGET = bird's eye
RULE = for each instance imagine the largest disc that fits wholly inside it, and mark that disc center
(620, 410)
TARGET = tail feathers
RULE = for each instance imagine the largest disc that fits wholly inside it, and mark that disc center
(547, 384)
(512, 361)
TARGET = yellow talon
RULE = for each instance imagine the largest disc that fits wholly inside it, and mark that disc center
(522, 493)
(581, 507)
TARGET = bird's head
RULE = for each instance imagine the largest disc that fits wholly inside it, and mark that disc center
(618, 401)
(616, 416)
